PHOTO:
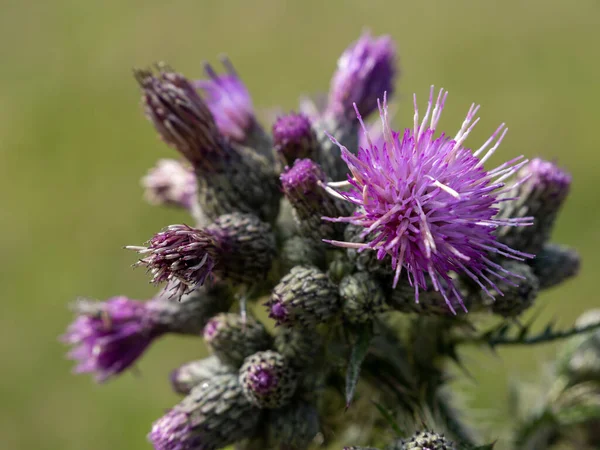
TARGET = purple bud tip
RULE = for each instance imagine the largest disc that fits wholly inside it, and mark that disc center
(108, 337)
(303, 176)
(170, 183)
(210, 329)
(170, 432)
(262, 380)
(546, 174)
(229, 101)
(294, 137)
(365, 71)
(278, 312)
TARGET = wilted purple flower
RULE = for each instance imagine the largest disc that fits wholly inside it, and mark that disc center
(170, 183)
(365, 71)
(180, 254)
(229, 101)
(238, 247)
(294, 138)
(430, 203)
(108, 337)
(181, 117)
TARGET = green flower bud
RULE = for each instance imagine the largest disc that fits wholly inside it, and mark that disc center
(514, 299)
(294, 427)
(423, 440)
(362, 297)
(232, 338)
(300, 346)
(304, 297)
(299, 251)
(555, 264)
(190, 375)
(268, 380)
(214, 415)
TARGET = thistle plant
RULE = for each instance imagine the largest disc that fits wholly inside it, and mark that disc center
(335, 269)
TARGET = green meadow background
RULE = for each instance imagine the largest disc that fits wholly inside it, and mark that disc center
(74, 143)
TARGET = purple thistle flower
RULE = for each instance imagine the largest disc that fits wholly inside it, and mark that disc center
(182, 255)
(171, 431)
(430, 204)
(365, 71)
(108, 337)
(229, 101)
(170, 183)
(294, 138)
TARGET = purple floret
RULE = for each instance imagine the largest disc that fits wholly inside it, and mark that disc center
(171, 432)
(430, 204)
(365, 71)
(229, 101)
(108, 337)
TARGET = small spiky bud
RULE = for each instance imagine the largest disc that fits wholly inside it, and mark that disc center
(515, 293)
(170, 183)
(579, 358)
(232, 337)
(366, 261)
(424, 440)
(555, 264)
(189, 375)
(297, 251)
(268, 380)
(429, 302)
(231, 105)
(300, 346)
(540, 190)
(339, 267)
(304, 297)
(362, 297)
(294, 427)
(236, 247)
(214, 415)
(303, 186)
(294, 138)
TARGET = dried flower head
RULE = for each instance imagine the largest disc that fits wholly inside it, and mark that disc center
(430, 203)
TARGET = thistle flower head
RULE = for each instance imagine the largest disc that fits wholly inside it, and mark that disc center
(302, 181)
(429, 202)
(108, 337)
(180, 116)
(365, 71)
(170, 183)
(294, 138)
(182, 255)
(267, 380)
(228, 100)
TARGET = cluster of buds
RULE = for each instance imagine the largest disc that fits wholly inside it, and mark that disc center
(334, 229)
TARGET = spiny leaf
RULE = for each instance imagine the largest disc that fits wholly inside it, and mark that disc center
(389, 419)
(359, 351)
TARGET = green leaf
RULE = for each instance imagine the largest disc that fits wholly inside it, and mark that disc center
(389, 419)
(359, 351)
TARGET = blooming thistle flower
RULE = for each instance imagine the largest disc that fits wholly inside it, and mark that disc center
(430, 203)
(294, 138)
(231, 105)
(214, 415)
(365, 71)
(229, 178)
(236, 247)
(108, 337)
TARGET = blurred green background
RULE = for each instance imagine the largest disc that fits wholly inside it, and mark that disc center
(74, 144)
